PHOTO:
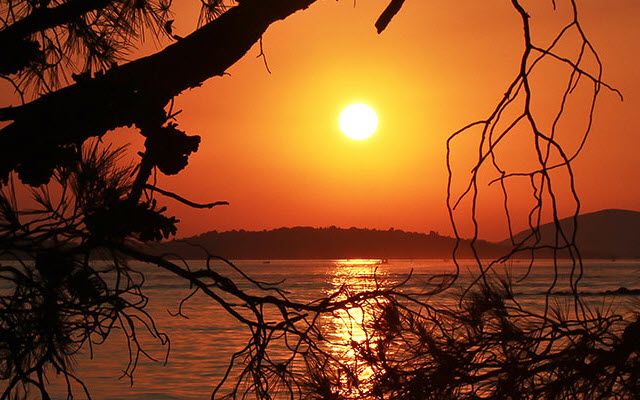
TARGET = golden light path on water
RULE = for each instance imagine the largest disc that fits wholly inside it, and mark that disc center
(347, 329)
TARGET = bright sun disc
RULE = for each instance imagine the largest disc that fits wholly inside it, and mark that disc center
(358, 121)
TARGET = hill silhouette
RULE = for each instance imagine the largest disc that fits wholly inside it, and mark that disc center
(602, 234)
(324, 243)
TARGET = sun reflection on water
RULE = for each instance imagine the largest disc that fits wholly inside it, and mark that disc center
(346, 329)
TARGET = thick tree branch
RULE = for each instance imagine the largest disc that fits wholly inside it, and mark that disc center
(126, 94)
(387, 15)
(46, 18)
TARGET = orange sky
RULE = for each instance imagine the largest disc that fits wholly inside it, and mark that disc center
(271, 144)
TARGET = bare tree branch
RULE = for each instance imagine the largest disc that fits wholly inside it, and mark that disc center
(185, 201)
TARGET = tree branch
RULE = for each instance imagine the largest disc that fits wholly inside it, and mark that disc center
(183, 200)
(46, 18)
(124, 95)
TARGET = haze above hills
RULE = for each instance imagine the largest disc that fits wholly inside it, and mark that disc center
(602, 234)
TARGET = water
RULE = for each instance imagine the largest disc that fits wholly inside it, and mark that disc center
(202, 344)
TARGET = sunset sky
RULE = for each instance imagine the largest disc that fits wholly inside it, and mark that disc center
(271, 142)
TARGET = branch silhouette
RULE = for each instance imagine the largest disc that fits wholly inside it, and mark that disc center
(128, 93)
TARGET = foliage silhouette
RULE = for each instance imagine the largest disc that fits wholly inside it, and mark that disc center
(88, 205)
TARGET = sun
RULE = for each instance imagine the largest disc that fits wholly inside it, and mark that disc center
(358, 121)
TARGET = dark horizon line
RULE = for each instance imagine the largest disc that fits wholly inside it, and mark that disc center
(390, 229)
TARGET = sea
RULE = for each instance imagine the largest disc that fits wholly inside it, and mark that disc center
(204, 338)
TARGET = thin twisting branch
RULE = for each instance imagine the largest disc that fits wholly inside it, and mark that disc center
(183, 200)
(512, 115)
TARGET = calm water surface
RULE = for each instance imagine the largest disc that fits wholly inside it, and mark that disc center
(202, 344)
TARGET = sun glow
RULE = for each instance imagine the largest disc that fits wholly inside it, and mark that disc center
(358, 121)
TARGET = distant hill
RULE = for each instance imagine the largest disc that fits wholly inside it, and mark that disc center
(324, 243)
(602, 234)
